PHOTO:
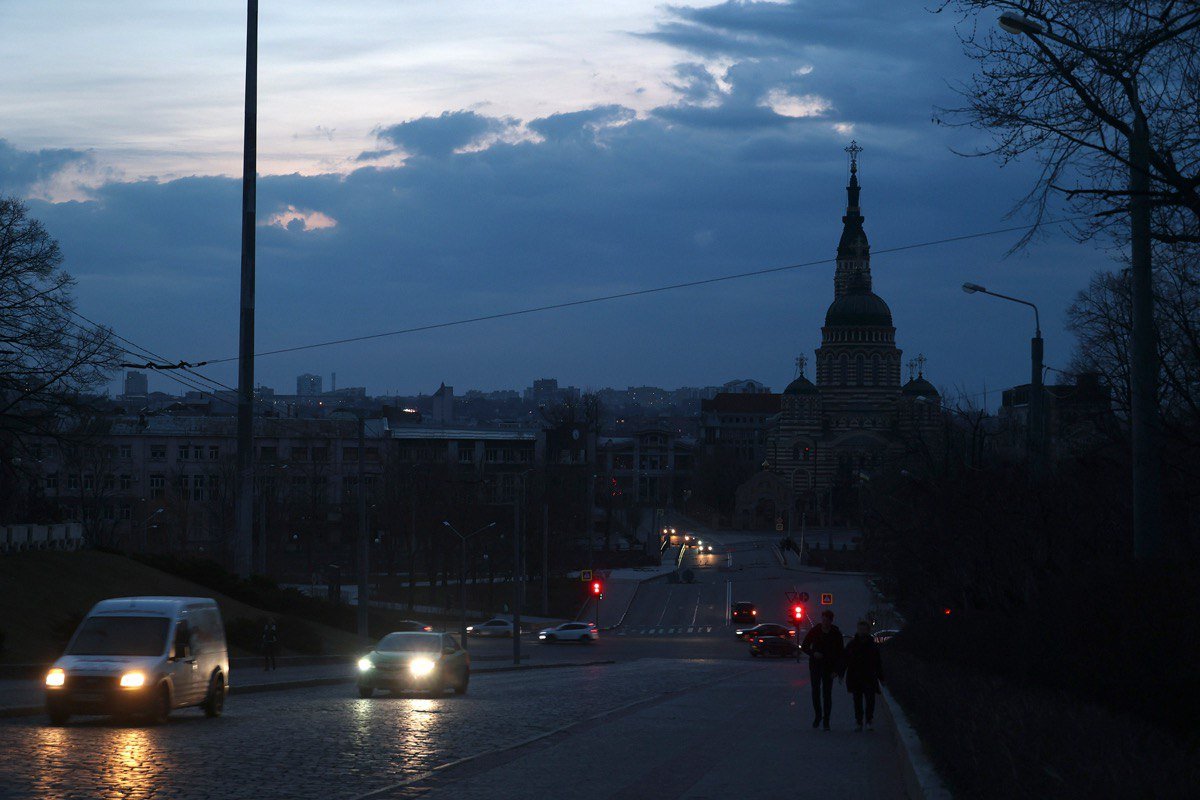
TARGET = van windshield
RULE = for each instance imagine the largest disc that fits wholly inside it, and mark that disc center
(120, 636)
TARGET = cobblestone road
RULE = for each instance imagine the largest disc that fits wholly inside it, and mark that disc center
(319, 743)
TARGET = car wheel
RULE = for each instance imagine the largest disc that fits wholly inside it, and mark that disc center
(461, 686)
(365, 691)
(160, 707)
(58, 715)
(214, 701)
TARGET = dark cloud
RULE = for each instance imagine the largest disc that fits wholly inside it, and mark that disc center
(438, 137)
(20, 170)
(580, 125)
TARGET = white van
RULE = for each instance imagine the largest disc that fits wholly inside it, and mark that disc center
(142, 656)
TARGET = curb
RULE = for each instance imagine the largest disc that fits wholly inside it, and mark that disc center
(921, 781)
(7, 712)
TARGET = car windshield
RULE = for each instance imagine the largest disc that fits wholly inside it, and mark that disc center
(120, 636)
(409, 643)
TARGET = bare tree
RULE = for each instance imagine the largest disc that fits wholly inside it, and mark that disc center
(1071, 96)
(49, 360)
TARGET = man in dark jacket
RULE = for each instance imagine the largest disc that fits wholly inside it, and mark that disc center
(823, 644)
(270, 645)
(864, 671)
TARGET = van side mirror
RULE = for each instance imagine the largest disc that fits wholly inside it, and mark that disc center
(182, 651)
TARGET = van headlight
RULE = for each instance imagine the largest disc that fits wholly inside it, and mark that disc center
(133, 680)
(56, 677)
(365, 665)
(420, 667)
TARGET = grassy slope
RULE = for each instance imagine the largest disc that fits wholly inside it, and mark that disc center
(39, 591)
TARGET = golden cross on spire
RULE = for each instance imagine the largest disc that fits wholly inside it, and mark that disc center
(912, 368)
(801, 363)
(853, 149)
(921, 365)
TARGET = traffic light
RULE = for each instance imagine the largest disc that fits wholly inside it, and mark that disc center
(798, 613)
(597, 589)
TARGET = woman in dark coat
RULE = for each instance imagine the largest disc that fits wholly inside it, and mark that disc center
(864, 671)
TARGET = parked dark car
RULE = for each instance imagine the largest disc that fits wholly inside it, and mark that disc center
(772, 646)
(743, 612)
(763, 629)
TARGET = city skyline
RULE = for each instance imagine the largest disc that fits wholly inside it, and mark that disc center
(702, 141)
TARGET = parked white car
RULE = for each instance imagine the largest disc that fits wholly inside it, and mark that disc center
(570, 632)
(493, 627)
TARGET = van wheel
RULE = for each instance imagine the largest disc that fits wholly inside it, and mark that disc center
(365, 691)
(214, 701)
(160, 707)
(58, 716)
(461, 686)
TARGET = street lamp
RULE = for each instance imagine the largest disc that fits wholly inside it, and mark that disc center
(1143, 361)
(1037, 421)
(462, 575)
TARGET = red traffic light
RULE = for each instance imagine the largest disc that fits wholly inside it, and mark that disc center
(946, 612)
(797, 613)
(597, 588)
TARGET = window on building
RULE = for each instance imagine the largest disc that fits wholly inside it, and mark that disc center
(52, 480)
(181, 485)
(370, 454)
(268, 453)
(491, 455)
(126, 451)
(466, 453)
(126, 482)
(351, 454)
(320, 454)
(184, 452)
(157, 484)
(214, 453)
(300, 454)
(158, 452)
(199, 483)
(125, 511)
(72, 481)
(109, 482)
(198, 452)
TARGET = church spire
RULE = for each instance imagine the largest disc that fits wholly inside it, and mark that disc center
(854, 252)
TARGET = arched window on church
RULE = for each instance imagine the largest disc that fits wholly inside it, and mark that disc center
(859, 369)
(877, 378)
(843, 369)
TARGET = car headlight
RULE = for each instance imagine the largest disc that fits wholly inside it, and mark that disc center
(541, 636)
(133, 680)
(365, 665)
(420, 667)
(56, 677)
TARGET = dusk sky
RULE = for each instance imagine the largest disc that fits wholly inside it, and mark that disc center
(426, 161)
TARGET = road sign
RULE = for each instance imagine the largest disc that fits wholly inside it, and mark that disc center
(792, 596)
(826, 598)
(585, 575)
(802, 597)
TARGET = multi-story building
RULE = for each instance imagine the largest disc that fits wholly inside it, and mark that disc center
(308, 385)
(737, 423)
(136, 385)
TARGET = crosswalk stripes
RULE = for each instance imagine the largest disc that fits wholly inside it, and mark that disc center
(667, 631)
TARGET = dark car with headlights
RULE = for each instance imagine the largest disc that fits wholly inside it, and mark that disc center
(763, 629)
(418, 661)
(772, 646)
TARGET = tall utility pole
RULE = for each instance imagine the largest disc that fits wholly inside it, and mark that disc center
(545, 556)
(364, 544)
(518, 580)
(243, 539)
(1147, 532)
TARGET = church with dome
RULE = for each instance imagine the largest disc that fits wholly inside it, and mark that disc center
(831, 435)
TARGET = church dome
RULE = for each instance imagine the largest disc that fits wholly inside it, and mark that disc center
(801, 385)
(858, 308)
(919, 386)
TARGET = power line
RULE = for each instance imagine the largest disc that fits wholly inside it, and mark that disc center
(632, 293)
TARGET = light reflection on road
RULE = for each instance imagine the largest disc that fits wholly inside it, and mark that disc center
(129, 761)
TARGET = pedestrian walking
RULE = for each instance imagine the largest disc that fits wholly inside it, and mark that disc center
(824, 647)
(270, 645)
(864, 672)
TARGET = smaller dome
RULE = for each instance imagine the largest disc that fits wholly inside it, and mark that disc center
(858, 308)
(801, 385)
(918, 386)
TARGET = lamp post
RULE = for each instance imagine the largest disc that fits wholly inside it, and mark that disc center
(1037, 415)
(462, 575)
(1143, 361)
